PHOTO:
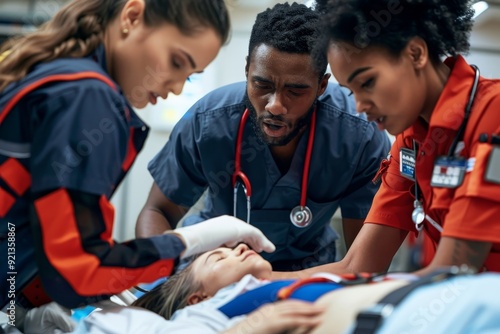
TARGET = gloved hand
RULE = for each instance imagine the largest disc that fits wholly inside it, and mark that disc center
(223, 230)
(49, 318)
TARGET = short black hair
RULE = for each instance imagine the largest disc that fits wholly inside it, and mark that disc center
(445, 25)
(292, 28)
(321, 6)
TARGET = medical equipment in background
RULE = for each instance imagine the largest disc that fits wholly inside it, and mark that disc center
(418, 215)
(301, 215)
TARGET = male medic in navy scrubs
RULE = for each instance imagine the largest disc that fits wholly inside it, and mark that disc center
(285, 88)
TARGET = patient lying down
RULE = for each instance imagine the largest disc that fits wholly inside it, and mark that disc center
(225, 285)
(229, 291)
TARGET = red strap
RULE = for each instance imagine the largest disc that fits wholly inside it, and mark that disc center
(15, 175)
(361, 275)
(347, 279)
(131, 152)
(286, 292)
(83, 271)
(35, 293)
(6, 202)
(52, 78)
(108, 214)
(383, 168)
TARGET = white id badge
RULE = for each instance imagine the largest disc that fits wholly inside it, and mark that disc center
(448, 172)
(407, 163)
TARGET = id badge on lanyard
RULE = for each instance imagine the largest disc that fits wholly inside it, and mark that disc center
(407, 165)
(448, 172)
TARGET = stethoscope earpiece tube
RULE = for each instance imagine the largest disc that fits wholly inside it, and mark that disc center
(300, 216)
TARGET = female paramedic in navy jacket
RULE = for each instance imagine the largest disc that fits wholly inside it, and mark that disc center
(68, 135)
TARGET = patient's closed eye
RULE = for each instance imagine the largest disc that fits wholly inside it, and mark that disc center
(215, 256)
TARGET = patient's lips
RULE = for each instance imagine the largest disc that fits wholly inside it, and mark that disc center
(247, 254)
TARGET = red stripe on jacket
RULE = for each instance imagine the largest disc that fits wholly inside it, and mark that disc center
(83, 271)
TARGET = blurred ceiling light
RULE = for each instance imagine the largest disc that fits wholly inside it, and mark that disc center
(479, 8)
(310, 3)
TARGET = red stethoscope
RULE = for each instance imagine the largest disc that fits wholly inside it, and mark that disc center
(301, 215)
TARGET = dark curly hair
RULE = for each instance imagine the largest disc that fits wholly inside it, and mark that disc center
(292, 28)
(444, 25)
(321, 6)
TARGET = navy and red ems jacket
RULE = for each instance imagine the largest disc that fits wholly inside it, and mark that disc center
(67, 138)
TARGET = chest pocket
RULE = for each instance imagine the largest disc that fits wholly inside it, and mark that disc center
(441, 199)
(275, 224)
(294, 243)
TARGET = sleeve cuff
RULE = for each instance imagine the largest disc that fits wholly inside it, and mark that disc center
(169, 246)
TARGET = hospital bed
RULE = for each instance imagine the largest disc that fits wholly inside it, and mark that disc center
(462, 304)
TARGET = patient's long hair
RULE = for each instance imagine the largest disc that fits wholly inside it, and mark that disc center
(78, 28)
(172, 295)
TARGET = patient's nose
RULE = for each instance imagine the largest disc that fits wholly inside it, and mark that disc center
(241, 248)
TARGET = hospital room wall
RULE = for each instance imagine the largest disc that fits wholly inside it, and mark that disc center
(229, 67)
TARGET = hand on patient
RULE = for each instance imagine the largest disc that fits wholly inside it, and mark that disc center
(49, 318)
(288, 316)
(223, 230)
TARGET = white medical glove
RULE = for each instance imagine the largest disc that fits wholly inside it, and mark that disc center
(223, 230)
(49, 318)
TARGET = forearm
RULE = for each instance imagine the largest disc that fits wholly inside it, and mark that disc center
(371, 252)
(351, 228)
(78, 261)
(333, 268)
(159, 214)
(458, 252)
(151, 222)
(77, 286)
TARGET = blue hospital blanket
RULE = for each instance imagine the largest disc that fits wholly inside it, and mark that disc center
(250, 300)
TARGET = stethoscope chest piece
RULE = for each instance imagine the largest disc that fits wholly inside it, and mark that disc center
(418, 215)
(301, 216)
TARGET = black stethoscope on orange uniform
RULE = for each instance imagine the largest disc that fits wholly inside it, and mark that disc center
(443, 163)
(301, 215)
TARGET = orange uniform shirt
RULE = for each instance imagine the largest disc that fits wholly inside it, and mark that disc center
(472, 210)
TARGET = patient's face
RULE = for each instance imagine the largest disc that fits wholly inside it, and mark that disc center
(223, 266)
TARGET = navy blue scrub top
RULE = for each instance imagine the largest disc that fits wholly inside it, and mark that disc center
(347, 153)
